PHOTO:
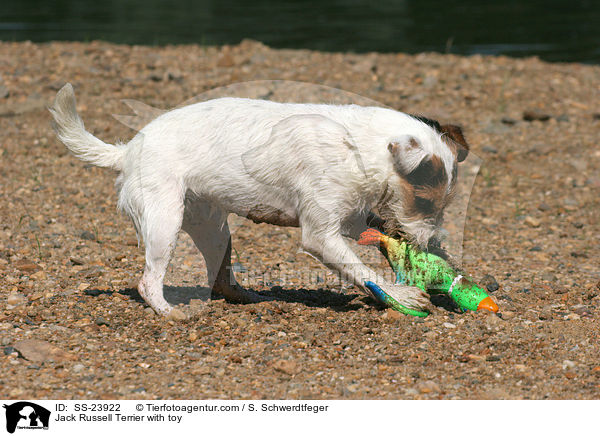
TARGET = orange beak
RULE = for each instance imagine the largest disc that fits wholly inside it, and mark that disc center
(488, 304)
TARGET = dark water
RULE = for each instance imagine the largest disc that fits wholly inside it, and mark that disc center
(555, 30)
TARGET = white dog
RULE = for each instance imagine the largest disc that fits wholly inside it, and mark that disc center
(314, 166)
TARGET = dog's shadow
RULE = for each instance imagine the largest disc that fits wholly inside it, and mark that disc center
(320, 297)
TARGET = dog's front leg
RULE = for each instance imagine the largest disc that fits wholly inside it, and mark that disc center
(333, 251)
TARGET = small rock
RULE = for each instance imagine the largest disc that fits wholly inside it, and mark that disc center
(493, 321)
(568, 364)
(489, 281)
(535, 115)
(176, 315)
(391, 315)
(87, 235)
(449, 325)
(15, 298)
(35, 296)
(288, 367)
(78, 368)
(428, 386)
(544, 207)
(40, 351)
(532, 222)
(508, 121)
(27, 266)
(430, 334)
(101, 321)
(582, 310)
(489, 149)
(76, 261)
(39, 276)
(546, 313)
(192, 336)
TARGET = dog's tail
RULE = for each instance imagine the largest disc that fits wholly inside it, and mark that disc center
(71, 131)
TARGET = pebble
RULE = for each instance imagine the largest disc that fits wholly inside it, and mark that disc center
(102, 321)
(87, 235)
(78, 368)
(289, 367)
(391, 315)
(489, 281)
(489, 149)
(176, 315)
(40, 351)
(509, 121)
(15, 298)
(27, 266)
(428, 386)
(449, 325)
(430, 334)
(582, 310)
(532, 222)
(535, 115)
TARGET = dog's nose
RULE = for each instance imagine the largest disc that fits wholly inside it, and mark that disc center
(488, 304)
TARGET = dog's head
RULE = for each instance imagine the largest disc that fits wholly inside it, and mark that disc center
(423, 179)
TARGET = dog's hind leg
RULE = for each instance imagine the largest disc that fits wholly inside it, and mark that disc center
(160, 228)
(209, 230)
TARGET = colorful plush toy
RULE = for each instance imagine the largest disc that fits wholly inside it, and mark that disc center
(426, 271)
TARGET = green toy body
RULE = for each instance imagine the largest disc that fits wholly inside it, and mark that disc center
(426, 271)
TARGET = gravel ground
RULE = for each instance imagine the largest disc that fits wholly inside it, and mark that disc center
(73, 326)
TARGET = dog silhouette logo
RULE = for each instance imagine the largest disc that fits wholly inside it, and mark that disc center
(26, 415)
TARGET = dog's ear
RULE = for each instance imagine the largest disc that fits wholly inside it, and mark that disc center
(407, 153)
(453, 136)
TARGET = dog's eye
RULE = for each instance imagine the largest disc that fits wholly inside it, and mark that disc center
(424, 205)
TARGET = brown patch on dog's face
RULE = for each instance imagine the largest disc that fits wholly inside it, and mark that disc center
(451, 134)
(425, 190)
(454, 138)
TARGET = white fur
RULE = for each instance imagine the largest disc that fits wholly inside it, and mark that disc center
(320, 164)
